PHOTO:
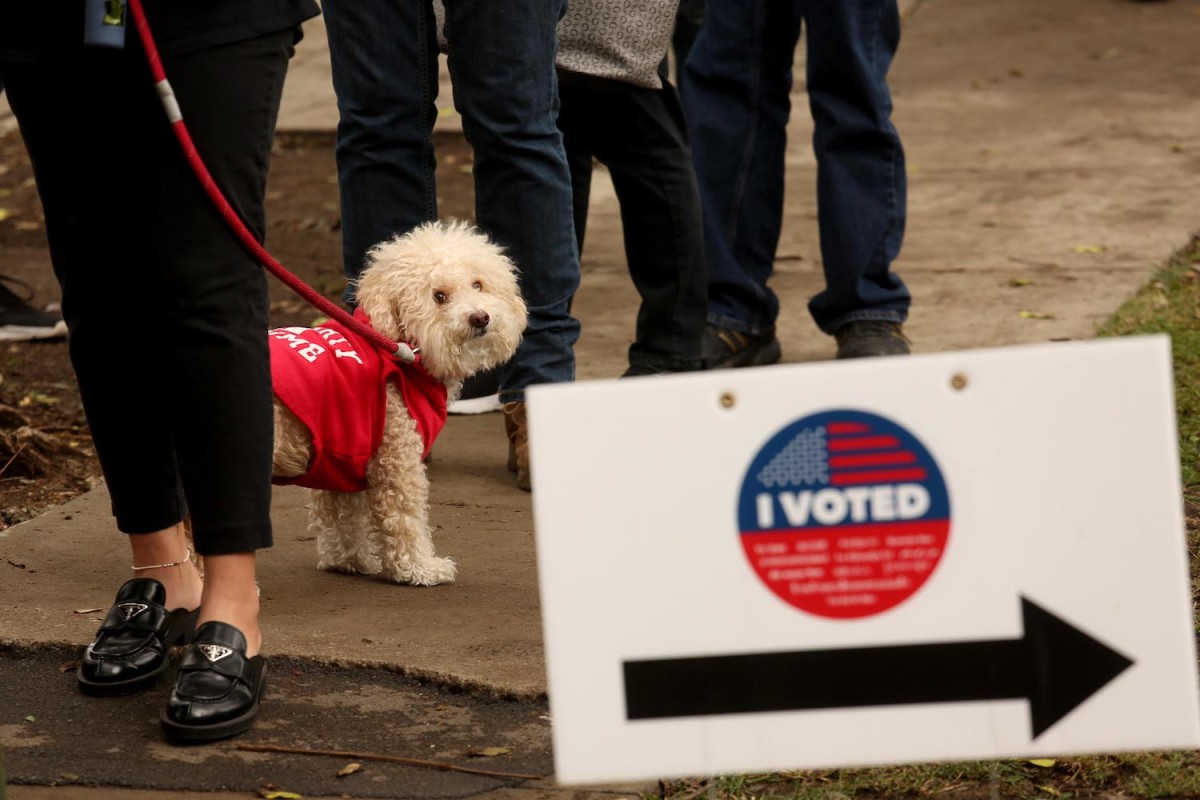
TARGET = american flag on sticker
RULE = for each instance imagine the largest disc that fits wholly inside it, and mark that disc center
(843, 454)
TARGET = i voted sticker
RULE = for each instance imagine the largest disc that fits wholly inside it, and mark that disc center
(843, 514)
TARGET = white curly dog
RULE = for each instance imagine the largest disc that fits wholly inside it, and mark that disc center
(451, 294)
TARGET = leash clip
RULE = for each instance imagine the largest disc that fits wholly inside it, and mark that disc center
(405, 353)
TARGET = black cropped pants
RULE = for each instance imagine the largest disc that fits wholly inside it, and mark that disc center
(167, 314)
(639, 135)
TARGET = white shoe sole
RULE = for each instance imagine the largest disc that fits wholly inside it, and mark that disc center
(22, 333)
(476, 405)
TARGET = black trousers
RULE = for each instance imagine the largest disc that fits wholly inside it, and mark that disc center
(167, 314)
(639, 135)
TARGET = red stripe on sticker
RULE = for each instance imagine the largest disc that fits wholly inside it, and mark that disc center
(865, 443)
(879, 476)
(872, 460)
(842, 428)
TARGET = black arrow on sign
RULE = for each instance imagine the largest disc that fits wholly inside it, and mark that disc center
(1054, 665)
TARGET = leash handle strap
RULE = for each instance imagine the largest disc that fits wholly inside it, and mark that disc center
(400, 350)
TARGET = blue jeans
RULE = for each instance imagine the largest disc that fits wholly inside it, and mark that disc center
(737, 85)
(385, 75)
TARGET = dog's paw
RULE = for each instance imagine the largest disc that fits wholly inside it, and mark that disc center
(352, 566)
(429, 572)
(336, 566)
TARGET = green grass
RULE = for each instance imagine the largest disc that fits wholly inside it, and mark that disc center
(1170, 304)
(1130, 776)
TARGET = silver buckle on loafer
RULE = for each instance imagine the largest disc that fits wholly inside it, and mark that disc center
(214, 652)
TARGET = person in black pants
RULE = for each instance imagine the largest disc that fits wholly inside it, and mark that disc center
(617, 106)
(166, 317)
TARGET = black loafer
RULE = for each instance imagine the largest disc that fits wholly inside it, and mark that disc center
(130, 650)
(218, 688)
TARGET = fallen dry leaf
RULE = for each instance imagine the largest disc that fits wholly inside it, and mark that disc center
(1042, 762)
(1036, 315)
(1020, 282)
(37, 397)
(349, 769)
(488, 752)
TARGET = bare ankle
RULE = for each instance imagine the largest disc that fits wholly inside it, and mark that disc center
(166, 557)
(183, 584)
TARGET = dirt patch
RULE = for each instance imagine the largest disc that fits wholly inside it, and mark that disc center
(46, 454)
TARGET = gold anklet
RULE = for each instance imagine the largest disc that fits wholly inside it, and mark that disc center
(187, 556)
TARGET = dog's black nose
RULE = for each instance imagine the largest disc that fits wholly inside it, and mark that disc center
(479, 320)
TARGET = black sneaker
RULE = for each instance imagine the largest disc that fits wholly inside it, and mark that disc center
(480, 394)
(867, 338)
(725, 348)
(19, 322)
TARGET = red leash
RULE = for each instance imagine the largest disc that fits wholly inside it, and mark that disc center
(399, 350)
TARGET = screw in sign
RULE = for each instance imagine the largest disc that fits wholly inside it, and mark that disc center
(844, 514)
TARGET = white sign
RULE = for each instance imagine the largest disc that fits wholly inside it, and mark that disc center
(954, 556)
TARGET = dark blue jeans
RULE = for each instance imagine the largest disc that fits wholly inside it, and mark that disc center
(385, 75)
(737, 85)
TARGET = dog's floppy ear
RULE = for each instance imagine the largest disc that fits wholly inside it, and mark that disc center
(392, 280)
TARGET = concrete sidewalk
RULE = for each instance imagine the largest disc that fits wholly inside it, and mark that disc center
(1052, 156)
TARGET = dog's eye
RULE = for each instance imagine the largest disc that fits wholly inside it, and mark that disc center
(439, 297)
(477, 286)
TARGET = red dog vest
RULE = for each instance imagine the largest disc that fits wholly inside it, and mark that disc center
(335, 382)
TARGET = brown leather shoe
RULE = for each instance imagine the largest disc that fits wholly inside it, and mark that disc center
(517, 429)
